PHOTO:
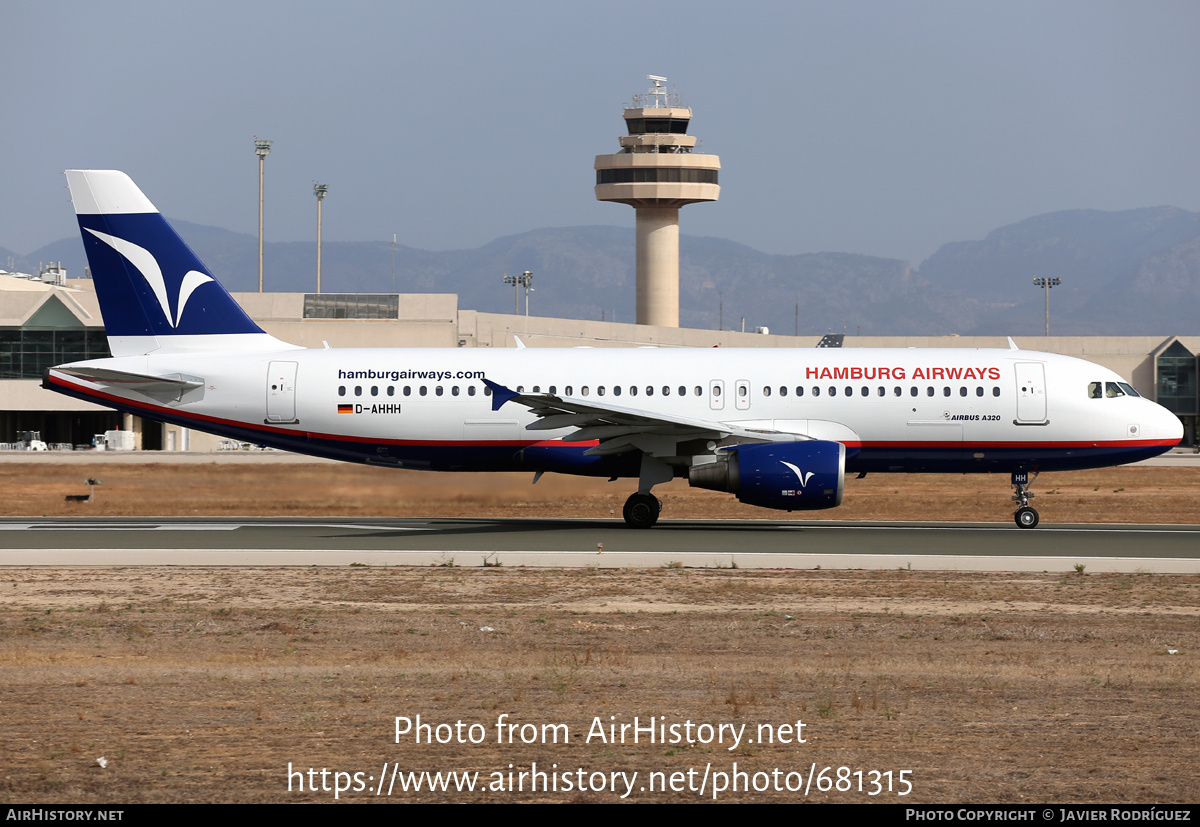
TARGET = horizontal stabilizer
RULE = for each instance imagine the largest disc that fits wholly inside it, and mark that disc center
(166, 388)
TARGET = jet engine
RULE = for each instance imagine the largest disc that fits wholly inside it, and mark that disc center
(790, 476)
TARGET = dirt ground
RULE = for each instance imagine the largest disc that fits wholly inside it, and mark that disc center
(208, 684)
(1131, 494)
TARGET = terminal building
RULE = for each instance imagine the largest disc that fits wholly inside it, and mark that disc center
(46, 322)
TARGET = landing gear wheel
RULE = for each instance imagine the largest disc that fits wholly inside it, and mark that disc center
(641, 510)
(1026, 517)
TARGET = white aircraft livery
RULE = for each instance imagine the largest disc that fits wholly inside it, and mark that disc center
(777, 428)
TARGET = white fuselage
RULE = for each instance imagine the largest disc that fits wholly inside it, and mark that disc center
(894, 410)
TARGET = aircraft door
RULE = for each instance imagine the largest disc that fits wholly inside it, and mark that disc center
(716, 394)
(281, 392)
(1031, 392)
(742, 395)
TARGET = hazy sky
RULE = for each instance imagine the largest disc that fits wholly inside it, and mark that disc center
(884, 128)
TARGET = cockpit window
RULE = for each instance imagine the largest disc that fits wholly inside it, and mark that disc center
(1112, 390)
(1095, 390)
(1128, 388)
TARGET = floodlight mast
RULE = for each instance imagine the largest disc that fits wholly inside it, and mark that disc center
(262, 149)
(1046, 284)
(319, 190)
(524, 280)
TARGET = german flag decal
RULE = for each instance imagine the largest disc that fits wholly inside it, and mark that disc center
(345, 409)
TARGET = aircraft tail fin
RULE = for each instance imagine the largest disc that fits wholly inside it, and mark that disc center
(155, 294)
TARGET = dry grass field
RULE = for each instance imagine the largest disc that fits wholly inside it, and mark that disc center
(203, 685)
(1123, 495)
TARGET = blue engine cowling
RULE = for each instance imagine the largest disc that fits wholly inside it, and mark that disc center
(790, 476)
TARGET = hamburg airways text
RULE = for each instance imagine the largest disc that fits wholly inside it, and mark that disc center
(901, 373)
(397, 375)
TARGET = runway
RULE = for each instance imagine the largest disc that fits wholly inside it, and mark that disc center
(600, 543)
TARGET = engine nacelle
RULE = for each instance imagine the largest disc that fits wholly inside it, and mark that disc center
(790, 476)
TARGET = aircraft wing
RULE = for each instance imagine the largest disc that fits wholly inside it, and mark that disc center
(619, 429)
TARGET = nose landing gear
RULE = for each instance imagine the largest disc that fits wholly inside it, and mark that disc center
(1025, 516)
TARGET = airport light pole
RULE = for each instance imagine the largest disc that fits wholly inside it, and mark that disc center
(1046, 284)
(524, 280)
(319, 190)
(262, 149)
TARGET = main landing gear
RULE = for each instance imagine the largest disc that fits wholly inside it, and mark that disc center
(641, 510)
(1025, 516)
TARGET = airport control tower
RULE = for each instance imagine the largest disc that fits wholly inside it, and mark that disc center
(657, 172)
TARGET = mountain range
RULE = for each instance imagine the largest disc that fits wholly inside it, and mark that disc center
(1133, 272)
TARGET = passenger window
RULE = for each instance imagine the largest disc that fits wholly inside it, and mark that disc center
(699, 391)
(783, 390)
(616, 390)
(929, 391)
(832, 390)
(358, 390)
(913, 390)
(600, 391)
(667, 390)
(553, 391)
(520, 389)
(584, 390)
(341, 390)
(568, 390)
(849, 391)
(716, 390)
(1095, 390)
(882, 390)
(408, 390)
(454, 391)
(470, 390)
(391, 390)
(897, 391)
(742, 391)
(816, 391)
(486, 391)
(766, 390)
(995, 391)
(650, 390)
(438, 390)
(865, 391)
(979, 391)
(962, 391)
(537, 388)
(424, 391)
(374, 390)
(633, 390)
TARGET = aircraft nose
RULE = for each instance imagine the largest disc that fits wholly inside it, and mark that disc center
(1167, 424)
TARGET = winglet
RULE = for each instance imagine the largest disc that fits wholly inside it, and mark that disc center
(500, 394)
(1012, 345)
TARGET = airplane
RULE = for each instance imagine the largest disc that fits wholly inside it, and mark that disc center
(779, 429)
